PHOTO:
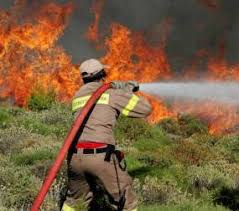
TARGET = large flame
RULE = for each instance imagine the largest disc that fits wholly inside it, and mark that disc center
(30, 55)
(132, 58)
(219, 70)
(220, 117)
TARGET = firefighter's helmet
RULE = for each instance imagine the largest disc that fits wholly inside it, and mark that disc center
(91, 67)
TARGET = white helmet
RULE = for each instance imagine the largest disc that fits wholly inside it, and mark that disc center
(91, 67)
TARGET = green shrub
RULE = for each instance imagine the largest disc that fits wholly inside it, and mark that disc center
(228, 169)
(18, 186)
(151, 144)
(59, 117)
(190, 153)
(31, 157)
(54, 121)
(229, 145)
(208, 177)
(5, 118)
(170, 126)
(190, 125)
(15, 111)
(129, 130)
(184, 173)
(205, 139)
(12, 137)
(149, 160)
(36, 126)
(189, 205)
(41, 99)
(153, 190)
(186, 125)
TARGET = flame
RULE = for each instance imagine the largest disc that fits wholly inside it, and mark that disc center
(93, 31)
(219, 70)
(160, 110)
(132, 58)
(29, 54)
(219, 117)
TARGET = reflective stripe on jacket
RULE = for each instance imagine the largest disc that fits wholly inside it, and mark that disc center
(99, 126)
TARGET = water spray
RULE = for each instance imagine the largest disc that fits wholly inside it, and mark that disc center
(223, 92)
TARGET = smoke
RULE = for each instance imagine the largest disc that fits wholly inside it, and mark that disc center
(194, 26)
(218, 91)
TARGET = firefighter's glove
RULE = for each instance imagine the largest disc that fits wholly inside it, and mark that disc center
(118, 84)
(126, 85)
(134, 85)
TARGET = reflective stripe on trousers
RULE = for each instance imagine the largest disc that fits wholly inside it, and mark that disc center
(67, 208)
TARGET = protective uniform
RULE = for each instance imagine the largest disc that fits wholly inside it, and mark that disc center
(88, 168)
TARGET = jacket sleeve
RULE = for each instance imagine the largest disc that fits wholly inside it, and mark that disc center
(129, 104)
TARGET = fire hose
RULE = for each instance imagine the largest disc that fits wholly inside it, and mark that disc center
(65, 147)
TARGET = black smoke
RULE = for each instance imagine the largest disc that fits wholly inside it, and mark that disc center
(194, 26)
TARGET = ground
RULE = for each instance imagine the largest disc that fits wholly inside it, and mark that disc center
(176, 164)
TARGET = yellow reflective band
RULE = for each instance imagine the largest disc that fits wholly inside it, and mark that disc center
(81, 101)
(104, 99)
(131, 105)
(67, 208)
(134, 209)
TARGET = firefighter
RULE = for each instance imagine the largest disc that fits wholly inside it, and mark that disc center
(94, 161)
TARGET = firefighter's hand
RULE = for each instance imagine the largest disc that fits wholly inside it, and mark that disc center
(127, 85)
(134, 85)
(118, 84)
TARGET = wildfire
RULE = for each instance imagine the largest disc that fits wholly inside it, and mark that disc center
(219, 70)
(30, 55)
(132, 58)
(220, 117)
(160, 111)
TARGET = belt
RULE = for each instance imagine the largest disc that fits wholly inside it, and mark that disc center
(93, 151)
(92, 147)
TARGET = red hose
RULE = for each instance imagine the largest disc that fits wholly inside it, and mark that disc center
(64, 149)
